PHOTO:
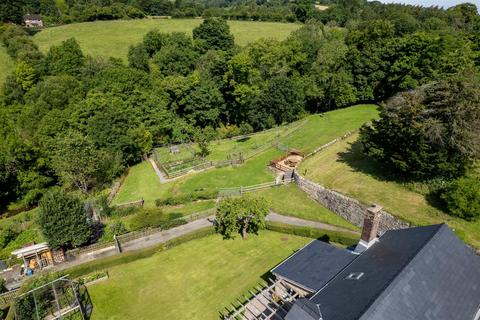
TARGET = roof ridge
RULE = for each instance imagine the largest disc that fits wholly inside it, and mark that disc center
(402, 269)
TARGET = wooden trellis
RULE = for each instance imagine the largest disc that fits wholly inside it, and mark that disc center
(270, 302)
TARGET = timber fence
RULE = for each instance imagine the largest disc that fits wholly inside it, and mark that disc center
(235, 191)
(195, 164)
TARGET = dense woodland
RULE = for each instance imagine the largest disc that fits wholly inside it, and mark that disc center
(78, 121)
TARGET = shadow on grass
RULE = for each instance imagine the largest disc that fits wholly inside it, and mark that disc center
(243, 139)
(360, 162)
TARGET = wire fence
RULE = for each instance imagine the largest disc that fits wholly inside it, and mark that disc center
(177, 168)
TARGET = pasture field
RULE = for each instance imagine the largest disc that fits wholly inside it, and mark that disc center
(112, 38)
(195, 280)
(6, 64)
(344, 168)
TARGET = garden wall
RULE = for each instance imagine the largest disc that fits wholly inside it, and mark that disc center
(348, 208)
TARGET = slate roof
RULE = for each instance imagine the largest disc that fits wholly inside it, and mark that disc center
(304, 309)
(314, 265)
(416, 273)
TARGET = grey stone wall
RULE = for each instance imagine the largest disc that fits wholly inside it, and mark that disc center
(348, 208)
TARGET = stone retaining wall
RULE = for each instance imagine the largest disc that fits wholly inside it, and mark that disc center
(348, 208)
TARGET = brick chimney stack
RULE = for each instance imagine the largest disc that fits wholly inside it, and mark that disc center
(370, 228)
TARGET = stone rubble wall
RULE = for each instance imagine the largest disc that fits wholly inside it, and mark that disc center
(348, 208)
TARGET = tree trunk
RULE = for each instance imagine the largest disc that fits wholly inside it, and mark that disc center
(244, 232)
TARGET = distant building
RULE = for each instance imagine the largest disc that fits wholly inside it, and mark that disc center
(33, 21)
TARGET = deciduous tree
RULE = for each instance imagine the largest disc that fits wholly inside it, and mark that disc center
(241, 215)
(63, 220)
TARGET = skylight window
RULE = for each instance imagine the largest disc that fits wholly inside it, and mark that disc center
(354, 276)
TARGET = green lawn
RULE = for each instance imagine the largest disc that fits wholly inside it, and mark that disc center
(291, 201)
(195, 280)
(317, 131)
(323, 128)
(112, 38)
(141, 182)
(342, 167)
(6, 64)
(223, 149)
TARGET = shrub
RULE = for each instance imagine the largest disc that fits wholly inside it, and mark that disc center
(462, 198)
(147, 218)
(7, 235)
(328, 236)
(186, 198)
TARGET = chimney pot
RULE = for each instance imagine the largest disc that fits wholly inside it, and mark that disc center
(370, 223)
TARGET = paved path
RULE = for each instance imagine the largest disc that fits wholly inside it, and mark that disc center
(275, 217)
(164, 236)
(159, 173)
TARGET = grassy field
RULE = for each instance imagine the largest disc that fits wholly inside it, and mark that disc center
(291, 201)
(317, 131)
(225, 148)
(141, 182)
(6, 64)
(112, 38)
(342, 167)
(323, 128)
(195, 280)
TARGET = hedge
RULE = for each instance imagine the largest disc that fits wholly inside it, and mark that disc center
(345, 238)
(126, 257)
(186, 198)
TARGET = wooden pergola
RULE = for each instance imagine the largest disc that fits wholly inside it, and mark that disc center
(270, 302)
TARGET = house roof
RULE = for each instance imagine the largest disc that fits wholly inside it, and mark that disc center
(314, 265)
(31, 250)
(304, 309)
(32, 17)
(416, 273)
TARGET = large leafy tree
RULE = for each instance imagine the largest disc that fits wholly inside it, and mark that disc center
(66, 58)
(138, 57)
(76, 160)
(429, 132)
(63, 220)
(214, 34)
(241, 215)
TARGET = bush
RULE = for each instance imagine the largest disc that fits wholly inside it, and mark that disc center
(147, 218)
(462, 198)
(344, 238)
(186, 198)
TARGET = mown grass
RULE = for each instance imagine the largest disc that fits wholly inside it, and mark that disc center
(291, 201)
(195, 280)
(6, 64)
(323, 128)
(226, 148)
(112, 38)
(141, 182)
(344, 168)
(316, 131)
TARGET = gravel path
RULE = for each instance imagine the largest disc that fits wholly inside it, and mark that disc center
(159, 173)
(275, 217)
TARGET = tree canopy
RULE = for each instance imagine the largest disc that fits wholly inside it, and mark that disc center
(63, 220)
(242, 215)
